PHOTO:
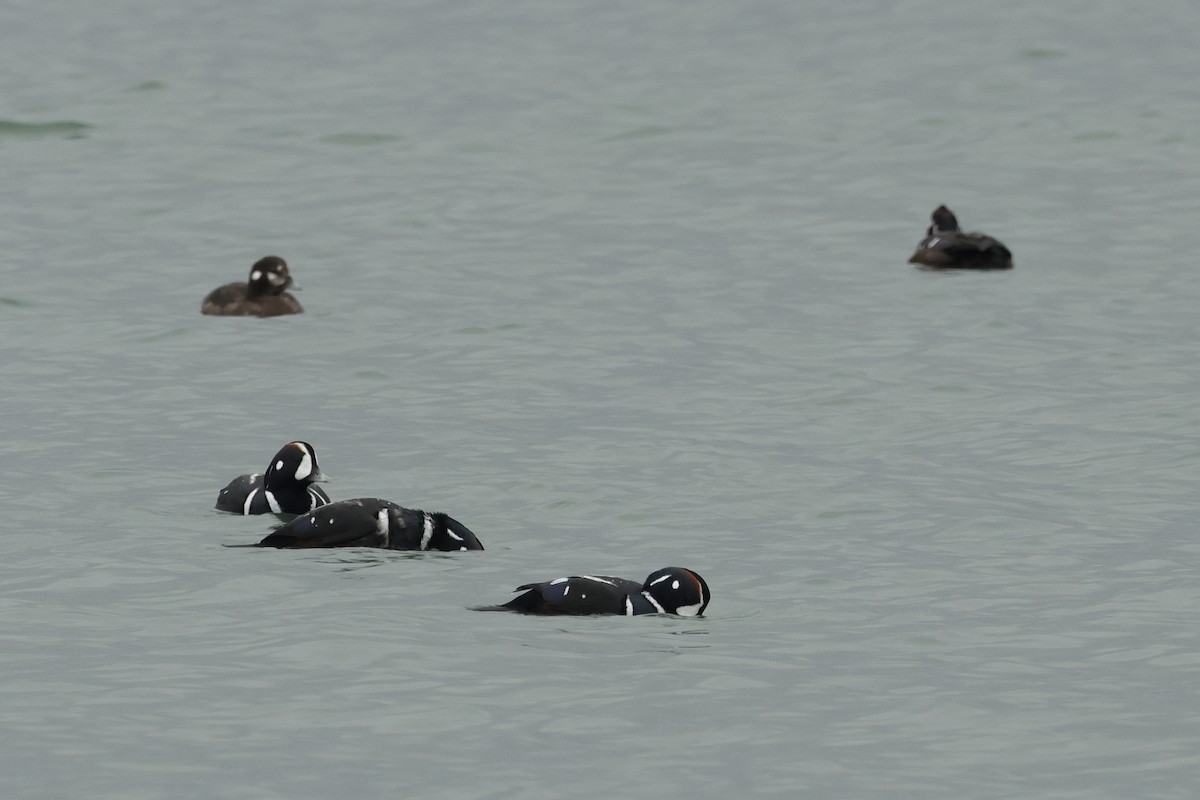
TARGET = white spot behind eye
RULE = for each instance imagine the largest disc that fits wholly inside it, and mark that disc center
(279, 464)
(256, 275)
(675, 585)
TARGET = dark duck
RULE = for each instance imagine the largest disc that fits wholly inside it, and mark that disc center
(671, 590)
(371, 522)
(263, 295)
(947, 247)
(287, 487)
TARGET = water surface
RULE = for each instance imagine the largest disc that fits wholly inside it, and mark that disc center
(620, 287)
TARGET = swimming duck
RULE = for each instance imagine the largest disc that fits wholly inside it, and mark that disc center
(946, 247)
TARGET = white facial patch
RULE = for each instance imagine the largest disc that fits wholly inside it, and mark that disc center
(276, 278)
(689, 611)
(306, 465)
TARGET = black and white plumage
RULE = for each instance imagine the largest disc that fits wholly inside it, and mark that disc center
(946, 247)
(371, 522)
(263, 295)
(287, 487)
(671, 590)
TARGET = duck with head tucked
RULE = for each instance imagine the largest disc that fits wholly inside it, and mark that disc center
(372, 522)
(947, 247)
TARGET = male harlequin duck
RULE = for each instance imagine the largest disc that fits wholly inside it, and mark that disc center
(671, 590)
(946, 247)
(286, 488)
(263, 296)
(371, 522)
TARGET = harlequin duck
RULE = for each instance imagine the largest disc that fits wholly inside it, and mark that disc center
(286, 488)
(263, 296)
(371, 522)
(671, 590)
(946, 247)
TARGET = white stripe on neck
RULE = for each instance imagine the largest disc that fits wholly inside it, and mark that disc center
(249, 500)
(654, 602)
(426, 531)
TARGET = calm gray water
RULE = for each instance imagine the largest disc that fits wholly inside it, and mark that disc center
(619, 285)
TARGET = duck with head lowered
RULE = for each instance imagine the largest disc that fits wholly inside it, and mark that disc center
(671, 590)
